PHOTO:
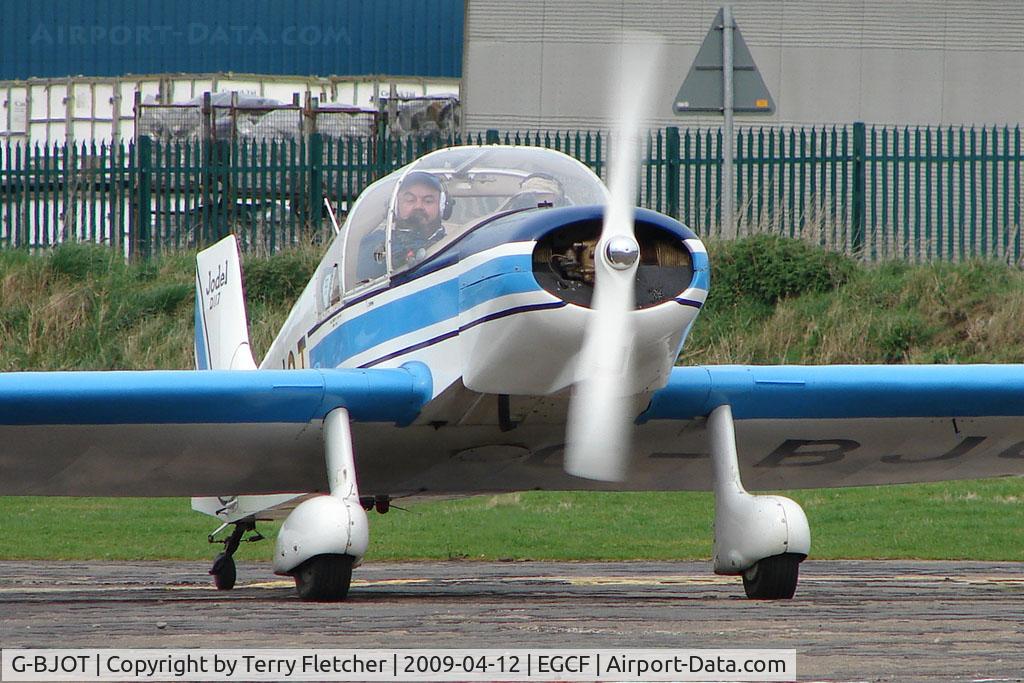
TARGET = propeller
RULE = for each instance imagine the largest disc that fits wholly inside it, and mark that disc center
(600, 421)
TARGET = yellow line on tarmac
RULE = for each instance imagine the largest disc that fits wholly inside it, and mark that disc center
(278, 583)
(621, 580)
(282, 583)
(711, 580)
(917, 578)
(93, 588)
(107, 588)
(387, 582)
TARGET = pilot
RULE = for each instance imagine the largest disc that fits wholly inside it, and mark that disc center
(537, 190)
(421, 204)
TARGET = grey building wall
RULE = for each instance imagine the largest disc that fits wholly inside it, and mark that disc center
(544, 63)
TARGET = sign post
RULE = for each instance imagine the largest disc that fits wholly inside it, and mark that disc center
(724, 78)
(728, 223)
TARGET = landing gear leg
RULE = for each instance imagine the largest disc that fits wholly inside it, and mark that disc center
(223, 571)
(762, 538)
(325, 537)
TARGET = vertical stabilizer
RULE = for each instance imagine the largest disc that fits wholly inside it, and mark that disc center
(222, 332)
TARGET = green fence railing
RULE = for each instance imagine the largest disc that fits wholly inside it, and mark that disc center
(269, 193)
(877, 192)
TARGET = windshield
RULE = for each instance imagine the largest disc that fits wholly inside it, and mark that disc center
(364, 234)
(445, 193)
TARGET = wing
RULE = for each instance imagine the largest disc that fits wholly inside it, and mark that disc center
(170, 433)
(207, 433)
(811, 426)
(796, 427)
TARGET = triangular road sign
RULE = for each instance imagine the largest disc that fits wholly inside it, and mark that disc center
(702, 89)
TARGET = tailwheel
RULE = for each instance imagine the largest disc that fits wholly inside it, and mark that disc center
(224, 572)
(773, 578)
(324, 578)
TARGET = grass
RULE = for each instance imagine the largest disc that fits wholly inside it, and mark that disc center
(838, 311)
(80, 307)
(773, 301)
(975, 520)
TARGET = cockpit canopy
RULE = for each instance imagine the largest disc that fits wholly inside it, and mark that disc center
(419, 209)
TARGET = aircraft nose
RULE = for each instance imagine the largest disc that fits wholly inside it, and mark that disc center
(564, 262)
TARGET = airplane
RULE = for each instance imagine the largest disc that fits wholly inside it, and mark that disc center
(493, 319)
(452, 372)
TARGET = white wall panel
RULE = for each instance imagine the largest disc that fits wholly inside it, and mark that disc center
(806, 97)
(516, 82)
(990, 80)
(901, 86)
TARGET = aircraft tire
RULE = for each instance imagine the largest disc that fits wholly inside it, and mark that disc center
(773, 578)
(324, 578)
(224, 572)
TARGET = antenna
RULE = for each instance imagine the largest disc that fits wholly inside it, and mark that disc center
(334, 218)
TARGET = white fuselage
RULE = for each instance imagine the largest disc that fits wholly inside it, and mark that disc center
(482, 321)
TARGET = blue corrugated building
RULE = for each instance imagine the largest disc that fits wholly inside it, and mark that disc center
(61, 38)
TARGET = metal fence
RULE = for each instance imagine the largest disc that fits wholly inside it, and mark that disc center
(874, 192)
(152, 196)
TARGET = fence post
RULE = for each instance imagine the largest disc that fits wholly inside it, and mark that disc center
(859, 168)
(492, 137)
(315, 162)
(206, 117)
(112, 173)
(672, 162)
(142, 241)
(23, 235)
(381, 165)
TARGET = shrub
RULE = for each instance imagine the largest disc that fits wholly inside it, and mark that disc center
(278, 279)
(767, 269)
(79, 261)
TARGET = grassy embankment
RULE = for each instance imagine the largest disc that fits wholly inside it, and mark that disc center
(773, 301)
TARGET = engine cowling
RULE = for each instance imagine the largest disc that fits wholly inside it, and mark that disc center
(537, 297)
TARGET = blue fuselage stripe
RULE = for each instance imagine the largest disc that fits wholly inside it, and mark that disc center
(500, 265)
(442, 302)
(701, 271)
(452, 333)
(494, 287)
(378, 325)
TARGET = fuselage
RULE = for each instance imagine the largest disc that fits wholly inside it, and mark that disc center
(477, 313)
(497, 312)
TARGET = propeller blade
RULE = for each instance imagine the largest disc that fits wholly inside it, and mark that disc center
(600, 421)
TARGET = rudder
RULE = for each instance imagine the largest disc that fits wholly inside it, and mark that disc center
(222, 331)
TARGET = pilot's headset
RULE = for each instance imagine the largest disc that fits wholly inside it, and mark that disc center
(445, 203)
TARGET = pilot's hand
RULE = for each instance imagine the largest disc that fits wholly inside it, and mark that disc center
(415, 255)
